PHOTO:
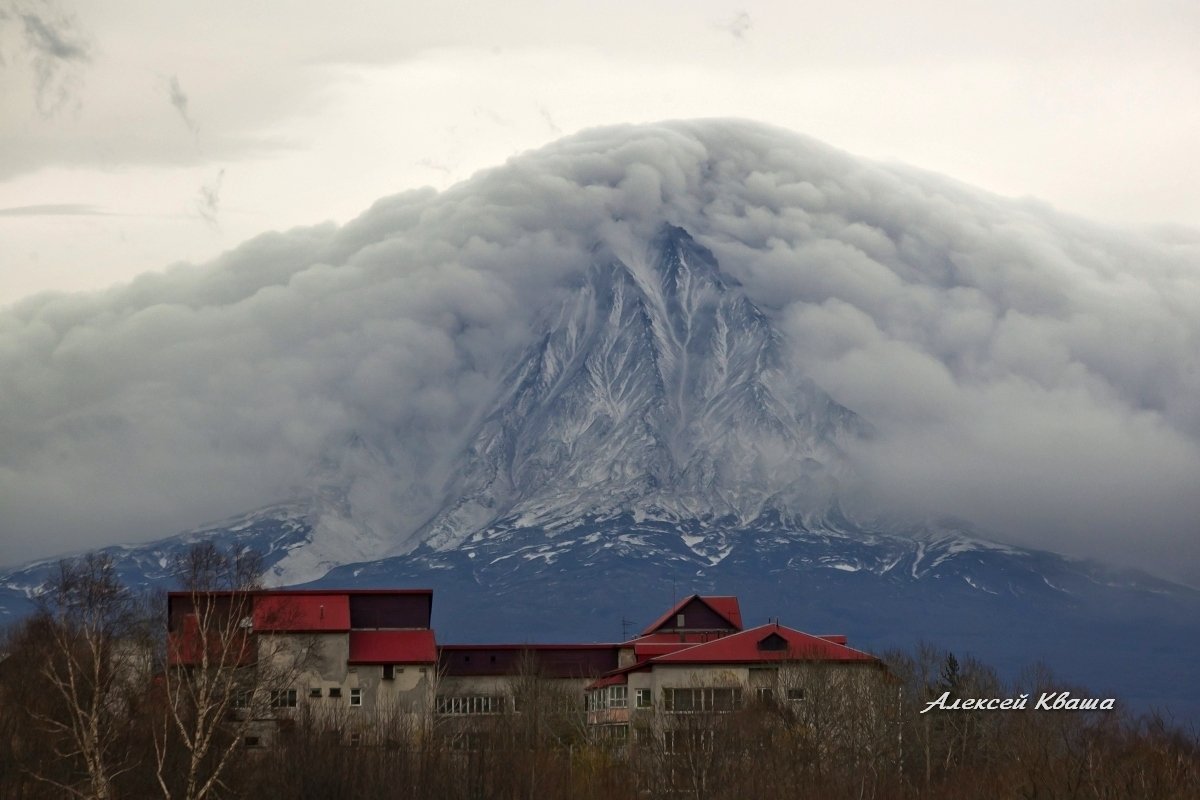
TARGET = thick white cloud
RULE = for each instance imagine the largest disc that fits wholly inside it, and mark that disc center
(1025, 370)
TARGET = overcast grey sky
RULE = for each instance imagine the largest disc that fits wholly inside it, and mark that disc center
(1046, 367)
(134, 135)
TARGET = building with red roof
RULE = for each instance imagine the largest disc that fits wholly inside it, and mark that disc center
(697, 658)
(357, 649)
(367, 649)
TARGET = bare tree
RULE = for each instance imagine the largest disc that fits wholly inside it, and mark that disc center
(543, 723)
(222, 679)
(92, 668)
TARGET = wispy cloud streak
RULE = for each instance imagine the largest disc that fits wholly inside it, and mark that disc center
(54, 210)
(58, 50)
(208, 201)
(179, 100)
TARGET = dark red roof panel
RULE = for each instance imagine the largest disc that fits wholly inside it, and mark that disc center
(676, 637)
(408, 610)
(547, 660)
(392, 647)
(301, 612)
(533, 647)
(641, 652)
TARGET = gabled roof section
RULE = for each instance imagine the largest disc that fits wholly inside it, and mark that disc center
(715, 612)
(392, 647)
(728, 607)
(771, 642)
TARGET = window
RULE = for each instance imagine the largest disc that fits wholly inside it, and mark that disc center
(389, 672)
(615, 734)
(316, 692)
(764, 695)
(251, 741)
(470, 704)
(283, 698)
(242, 698)
(356, 697)
(335, 691)
(644, 698)
(597, 700)
(355, 739)
(688, 701)
(773, 642)
(688, 741)
(618, 697)
(795, 695)
(678, 701)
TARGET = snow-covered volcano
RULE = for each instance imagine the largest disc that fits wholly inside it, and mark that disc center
(611, 366)
(655, 389)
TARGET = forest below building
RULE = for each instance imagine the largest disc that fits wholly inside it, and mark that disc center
(94, 704)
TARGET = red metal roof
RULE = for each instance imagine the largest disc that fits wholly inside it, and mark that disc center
(392, 647)
(308, 612)
(617, 677)
(305, 610)
(737, 648)
(727, 606)
(187, 646)
(724, 606)
(744, 647)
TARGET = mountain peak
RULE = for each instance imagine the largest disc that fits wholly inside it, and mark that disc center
(654, 387)
(681, 261)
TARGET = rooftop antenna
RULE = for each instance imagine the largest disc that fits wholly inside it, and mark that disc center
(625, 623)
(673, 599)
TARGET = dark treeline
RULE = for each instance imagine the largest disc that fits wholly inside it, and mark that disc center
(90, 708)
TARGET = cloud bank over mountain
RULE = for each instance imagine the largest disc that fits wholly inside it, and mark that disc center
(1032, 373)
